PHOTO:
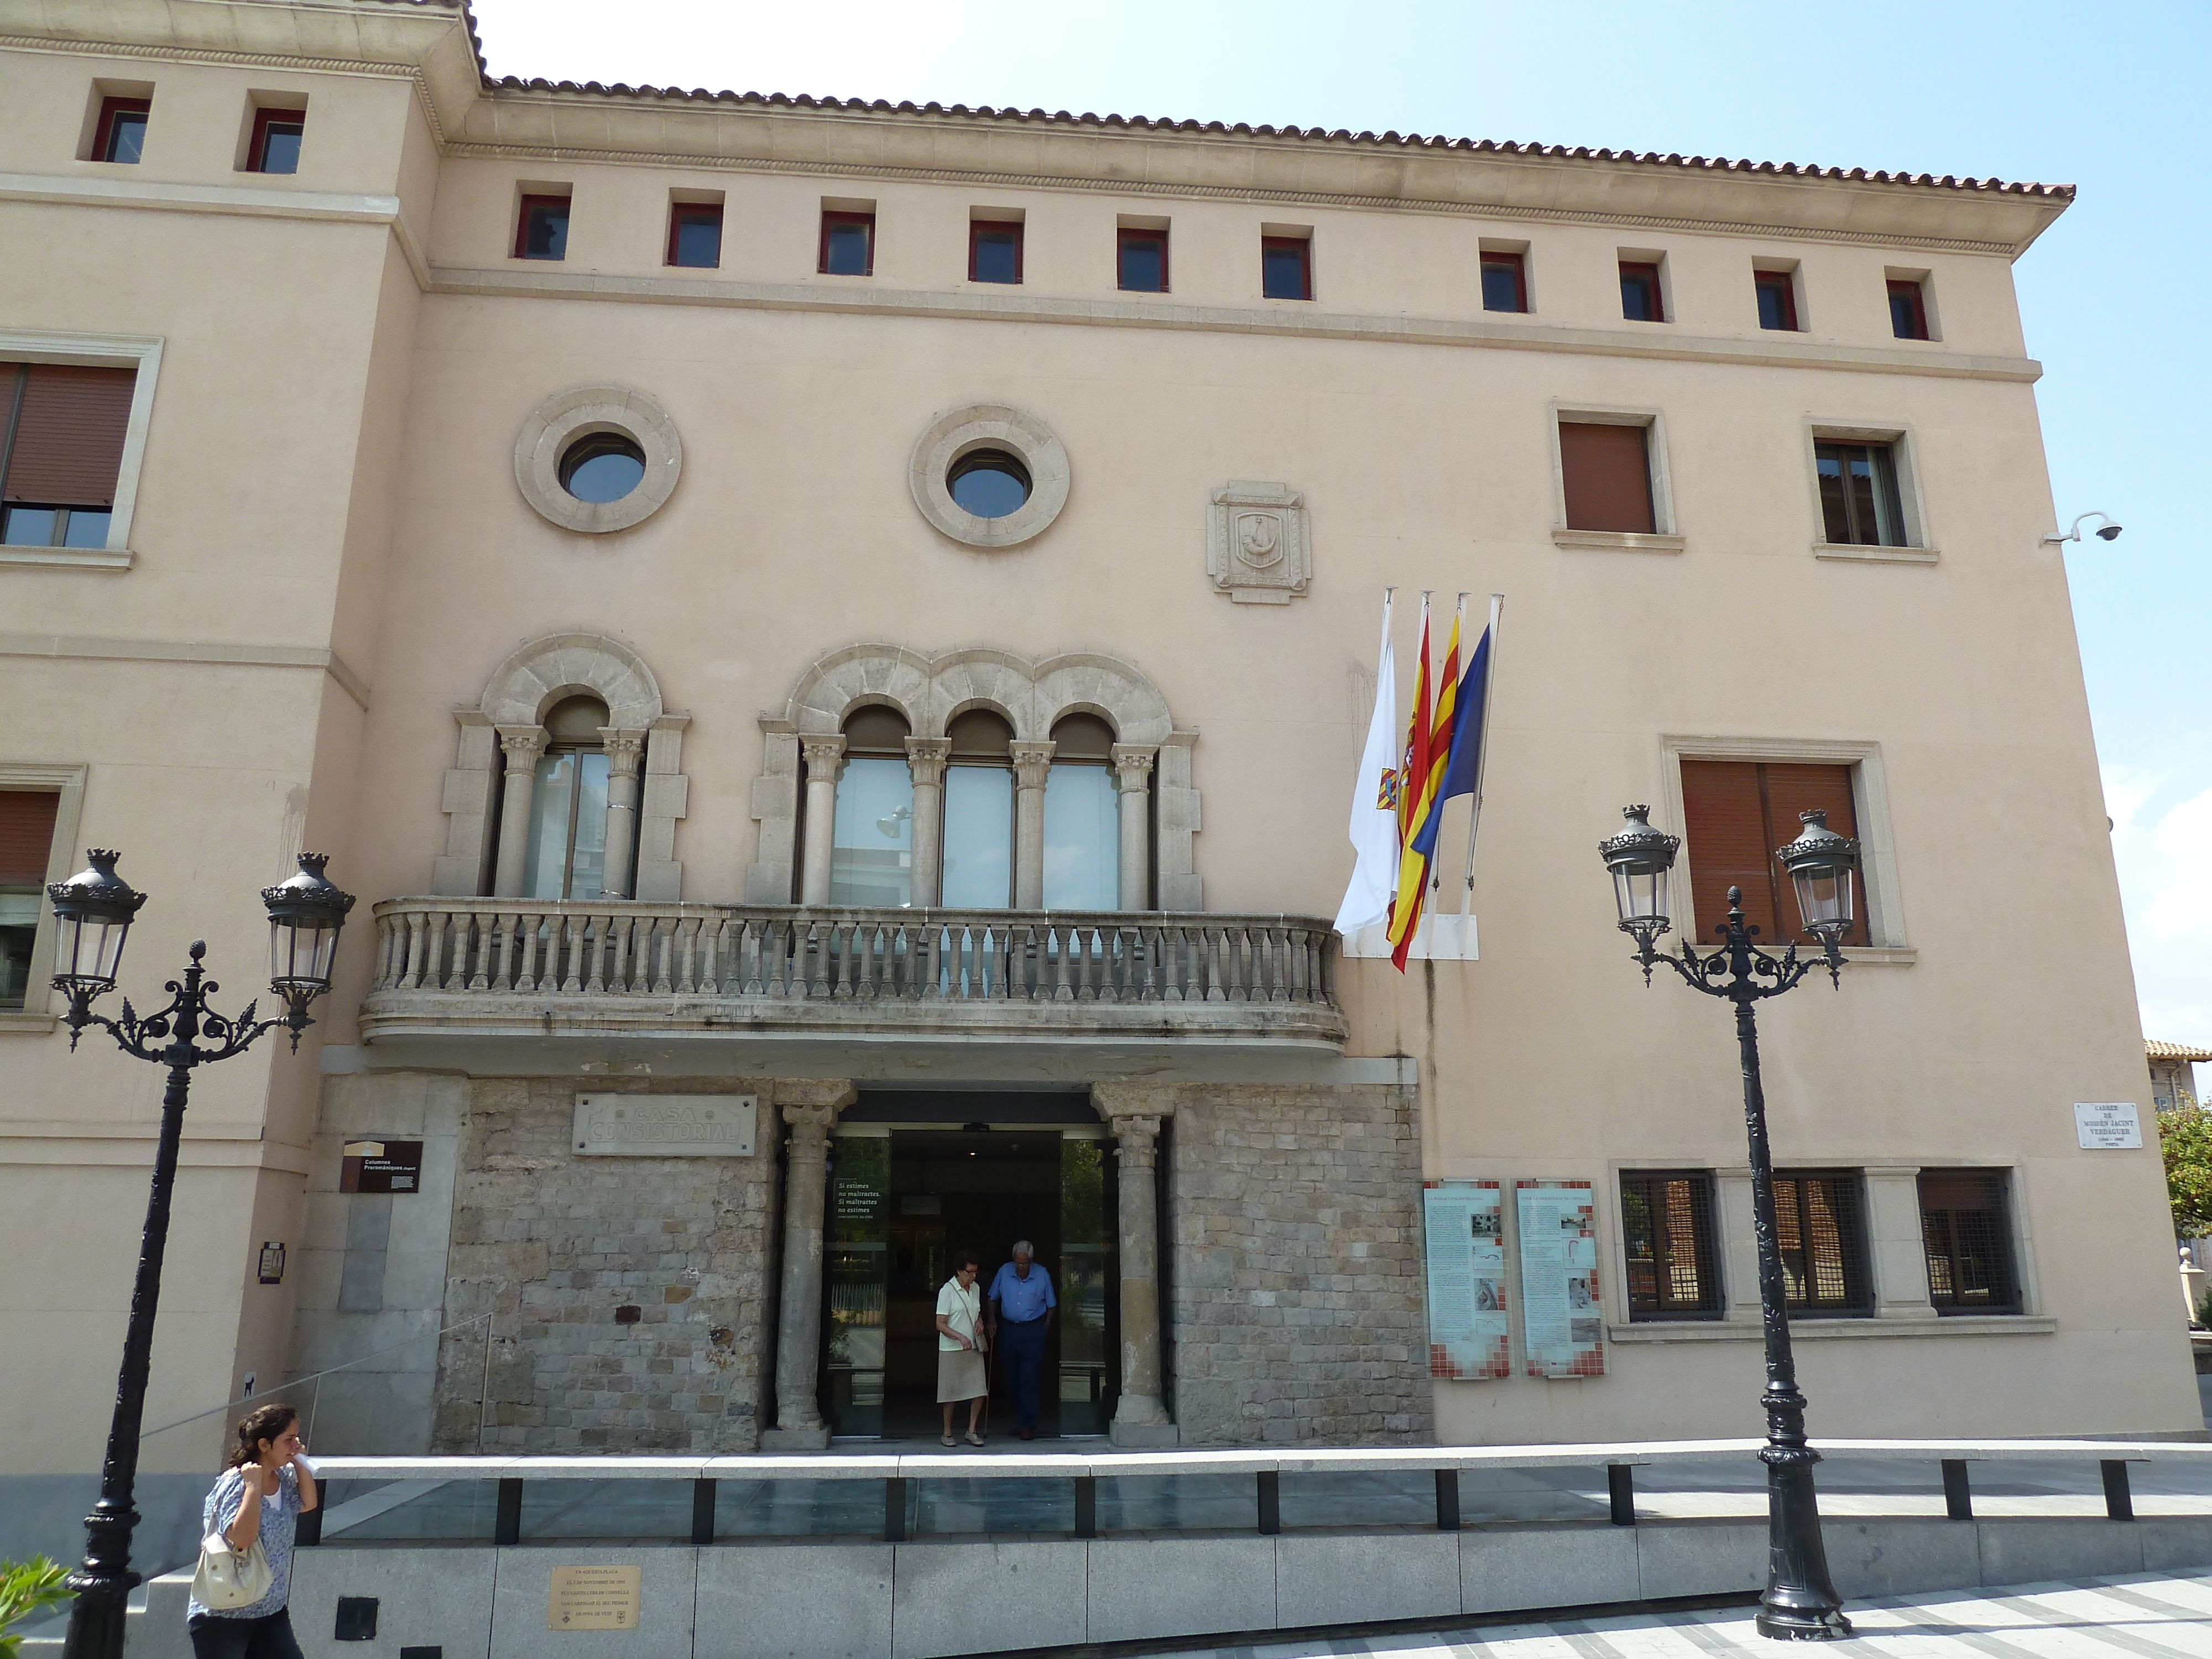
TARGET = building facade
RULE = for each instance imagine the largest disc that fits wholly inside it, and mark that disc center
(833, 641)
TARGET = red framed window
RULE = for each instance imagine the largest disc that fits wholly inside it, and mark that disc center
(1777, 293)
(1908, 309)
(848, 243)
(994, 251)
(1287, 267)
(1141, 261)
(275, 146)
(1504, 282)
(121, 133)
(541, 229)
(1641, 299)
(695, 234)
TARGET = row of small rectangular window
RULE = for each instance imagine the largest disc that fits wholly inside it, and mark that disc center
(847, 248)
(1606, 474)
(1672, 1244)
(273, 139)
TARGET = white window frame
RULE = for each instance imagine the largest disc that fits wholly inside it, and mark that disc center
(1665, 537)
(96, 351)
(1905, 460)
(1878, 883)
(66, 782)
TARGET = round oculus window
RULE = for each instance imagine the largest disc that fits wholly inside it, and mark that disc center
(989, 483)
(602, 466)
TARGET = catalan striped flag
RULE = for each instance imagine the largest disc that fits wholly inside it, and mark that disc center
(1421, 797)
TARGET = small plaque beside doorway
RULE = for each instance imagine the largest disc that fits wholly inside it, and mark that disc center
(381, 1166)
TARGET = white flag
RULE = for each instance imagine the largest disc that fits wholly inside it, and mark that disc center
(1374, 805)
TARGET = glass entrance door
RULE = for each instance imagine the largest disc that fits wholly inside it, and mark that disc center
(901, 1205)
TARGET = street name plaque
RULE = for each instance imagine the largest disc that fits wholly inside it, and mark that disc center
(2107, 1126)
(665, 1126)
(593, 1598)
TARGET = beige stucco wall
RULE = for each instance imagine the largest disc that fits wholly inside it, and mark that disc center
(330, 469)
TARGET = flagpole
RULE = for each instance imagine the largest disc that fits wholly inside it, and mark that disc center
(1482, 754)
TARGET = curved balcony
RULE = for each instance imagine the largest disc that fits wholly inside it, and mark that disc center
(518, 968)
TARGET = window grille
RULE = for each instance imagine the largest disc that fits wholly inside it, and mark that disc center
(1666, 1224)
(1820, 1223)
(1966, 1228)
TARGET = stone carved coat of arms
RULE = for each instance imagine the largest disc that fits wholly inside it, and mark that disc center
(1257, 549)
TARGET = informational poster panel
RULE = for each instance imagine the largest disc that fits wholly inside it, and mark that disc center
(1562, 1316)
(381, 1166)
(1464, 1222)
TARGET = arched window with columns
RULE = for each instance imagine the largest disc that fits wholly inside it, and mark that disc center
(568, 781)
(1060, 783)
(872, 853)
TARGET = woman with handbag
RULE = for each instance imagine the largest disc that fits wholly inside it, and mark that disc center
(238, 1608)
(960, 1345)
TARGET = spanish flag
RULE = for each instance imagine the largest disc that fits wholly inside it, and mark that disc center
(1421, 798)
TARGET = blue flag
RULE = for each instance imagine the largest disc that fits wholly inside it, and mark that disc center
(1465, 765)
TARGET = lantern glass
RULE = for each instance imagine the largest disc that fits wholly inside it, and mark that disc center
(1824, 897)
(93, 911)
(1640, 891)
(1638, 859)
(305, 915)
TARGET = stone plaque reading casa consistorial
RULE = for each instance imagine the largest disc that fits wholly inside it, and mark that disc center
(1256, 544)
(665, 1126)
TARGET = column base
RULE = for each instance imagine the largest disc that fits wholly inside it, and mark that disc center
(794, 1440)
(1144, 1436)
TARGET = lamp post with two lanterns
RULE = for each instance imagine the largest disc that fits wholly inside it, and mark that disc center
(1799, 1602)
(93, 913)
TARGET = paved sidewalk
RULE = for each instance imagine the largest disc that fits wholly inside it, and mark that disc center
(2142, 1616)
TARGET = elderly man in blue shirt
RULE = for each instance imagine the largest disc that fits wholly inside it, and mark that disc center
(1022, 1305)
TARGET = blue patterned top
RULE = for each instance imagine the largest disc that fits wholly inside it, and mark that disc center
(280, 1523)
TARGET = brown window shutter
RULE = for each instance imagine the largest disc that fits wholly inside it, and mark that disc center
(68, 439)
(1725, 825)
(1793, 788)
(1607, 470)
(27, 835)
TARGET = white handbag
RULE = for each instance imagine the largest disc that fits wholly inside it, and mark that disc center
(227, 1578)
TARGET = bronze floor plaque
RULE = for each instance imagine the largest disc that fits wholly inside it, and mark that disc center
(593, 1598)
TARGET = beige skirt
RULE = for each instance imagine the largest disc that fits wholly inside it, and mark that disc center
(960, 1376)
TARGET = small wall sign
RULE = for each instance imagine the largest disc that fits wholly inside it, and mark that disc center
(2107, 1126)
(665, 1126)
(593, 1598)
(381, 1166)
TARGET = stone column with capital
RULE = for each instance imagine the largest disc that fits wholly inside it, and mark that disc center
(1141, 1417)
(1133, 777)
(625, 751)
(824, 756)
(1032, 764)
(924, 758)
(521, 745)
(809, 1110)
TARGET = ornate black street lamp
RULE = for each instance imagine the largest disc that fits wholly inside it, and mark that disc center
(93, 912)
(1800, 1603)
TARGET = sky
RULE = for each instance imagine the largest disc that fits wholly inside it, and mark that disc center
(2110, 96)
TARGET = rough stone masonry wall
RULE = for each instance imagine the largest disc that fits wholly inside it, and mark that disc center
(552, 1244)
(1297, 1281)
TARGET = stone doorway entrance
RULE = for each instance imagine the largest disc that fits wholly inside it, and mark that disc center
(901, 1200)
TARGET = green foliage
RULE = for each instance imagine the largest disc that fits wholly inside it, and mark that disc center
(26, 1588)
(2185, 1138)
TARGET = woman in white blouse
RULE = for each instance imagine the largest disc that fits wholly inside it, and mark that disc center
(960, 1345)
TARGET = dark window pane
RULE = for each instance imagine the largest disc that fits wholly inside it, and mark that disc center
(546, 231)
(1501, 286)
(1908, 311)
(126, 135)
(698, 240)
(1667, 1231)
(28, 527)
(1835, 515)
(1774, 308)
(1283, 271)
(606, 466)
(1968, 1236)
(998, 254)
(280, 147)
(1144, 262)
(87, 527)
(989, 483)
(1639, 294)
(1858, 490)
(845, 248)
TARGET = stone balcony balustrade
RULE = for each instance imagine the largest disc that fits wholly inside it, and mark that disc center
(513, 967)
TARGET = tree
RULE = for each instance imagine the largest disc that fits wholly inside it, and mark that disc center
(2184, 1139)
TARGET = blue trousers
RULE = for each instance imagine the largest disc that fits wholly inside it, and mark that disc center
(1021, 1351)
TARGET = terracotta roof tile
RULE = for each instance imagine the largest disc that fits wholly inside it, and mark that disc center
(1391, 140)
(2175, 1051)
